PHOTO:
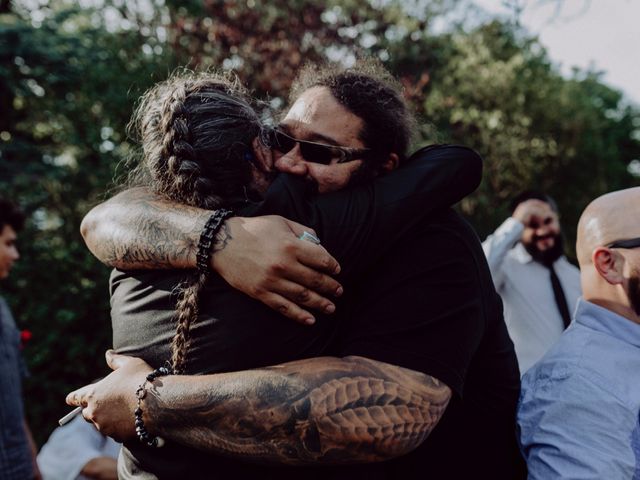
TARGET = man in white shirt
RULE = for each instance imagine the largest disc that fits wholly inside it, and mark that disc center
(538, 286)
(78, 451)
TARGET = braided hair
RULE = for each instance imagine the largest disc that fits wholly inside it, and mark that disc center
(195, 131)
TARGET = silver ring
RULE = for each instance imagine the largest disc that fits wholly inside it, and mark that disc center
(309, 237)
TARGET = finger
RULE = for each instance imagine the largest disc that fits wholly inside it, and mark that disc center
(302, 276)
(115, 360)
(316, 257)
(303, 296)
(76, 398)
(287, 308)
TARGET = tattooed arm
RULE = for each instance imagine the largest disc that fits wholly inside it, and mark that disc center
(260, 256)
(322, 410)
(166, 234)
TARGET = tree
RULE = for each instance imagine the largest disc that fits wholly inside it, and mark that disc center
(67, 86)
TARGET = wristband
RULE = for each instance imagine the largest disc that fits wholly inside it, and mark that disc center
(141, 392)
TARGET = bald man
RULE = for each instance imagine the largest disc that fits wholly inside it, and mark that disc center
(579, 406)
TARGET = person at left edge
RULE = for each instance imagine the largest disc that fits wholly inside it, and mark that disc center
(17, 448)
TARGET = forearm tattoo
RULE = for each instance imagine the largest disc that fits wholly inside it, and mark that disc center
(323, 410)
(223, 237)
(149, 233)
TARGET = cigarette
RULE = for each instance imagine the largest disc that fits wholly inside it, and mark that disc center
(70, 416)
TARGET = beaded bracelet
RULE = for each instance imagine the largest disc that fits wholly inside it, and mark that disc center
(141, 392)
(207, 236)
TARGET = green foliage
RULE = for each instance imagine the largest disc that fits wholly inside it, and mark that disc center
(69, 79)
(499, 93)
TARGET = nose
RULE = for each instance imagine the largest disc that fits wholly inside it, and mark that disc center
(292, 162)
(542, 230)
(15, 254)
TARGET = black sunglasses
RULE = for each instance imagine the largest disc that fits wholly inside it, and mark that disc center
(628, 243)
(312, 151)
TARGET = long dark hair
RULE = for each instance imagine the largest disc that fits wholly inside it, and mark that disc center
(196, 131)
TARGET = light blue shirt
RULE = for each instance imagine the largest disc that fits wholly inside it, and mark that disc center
(16, 462)
(579, 406)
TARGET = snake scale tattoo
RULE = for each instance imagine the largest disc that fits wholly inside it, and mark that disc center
(322, 410)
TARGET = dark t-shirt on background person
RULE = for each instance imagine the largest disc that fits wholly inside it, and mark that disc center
(359, 227)
(16, 461)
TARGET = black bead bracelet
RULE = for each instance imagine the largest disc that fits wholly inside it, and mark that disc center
(141, 392)
(211, 228)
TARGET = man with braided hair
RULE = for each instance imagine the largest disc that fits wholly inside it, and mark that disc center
(422, 324)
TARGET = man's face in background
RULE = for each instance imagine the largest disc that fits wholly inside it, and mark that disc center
(8, 250)
(542, 237)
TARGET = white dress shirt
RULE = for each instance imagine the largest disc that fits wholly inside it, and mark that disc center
(530, 310)
(70, 448)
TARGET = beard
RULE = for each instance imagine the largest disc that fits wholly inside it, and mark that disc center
(634, 291)
(546, 257)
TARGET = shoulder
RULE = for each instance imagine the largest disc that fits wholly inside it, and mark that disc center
(449, 226)
(567, 387)
(572, 425)
(582, 361)
(453, 244)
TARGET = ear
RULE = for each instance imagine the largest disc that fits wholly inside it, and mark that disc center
(609, 264)
(391, 163)
(263, 154)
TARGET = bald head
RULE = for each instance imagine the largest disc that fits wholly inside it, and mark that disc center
(611, 217)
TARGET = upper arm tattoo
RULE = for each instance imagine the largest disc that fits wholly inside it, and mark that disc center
(322, 410)
(137, 229)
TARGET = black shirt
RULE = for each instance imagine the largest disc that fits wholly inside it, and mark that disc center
(356, 225)
(378, 224)
(430, 306)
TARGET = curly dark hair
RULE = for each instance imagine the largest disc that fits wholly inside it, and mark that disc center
(11, 215)
(369, 91)
(196, 131)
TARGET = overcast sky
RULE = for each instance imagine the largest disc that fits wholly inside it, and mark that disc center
(601, 33)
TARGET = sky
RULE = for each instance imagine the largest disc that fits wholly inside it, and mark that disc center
(604, 34)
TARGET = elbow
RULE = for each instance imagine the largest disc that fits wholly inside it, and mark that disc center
(88, 226)
(95, 228)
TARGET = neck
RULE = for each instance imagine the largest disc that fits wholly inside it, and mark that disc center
(616, 307)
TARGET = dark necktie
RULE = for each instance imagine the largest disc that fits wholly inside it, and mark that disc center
(558, 293)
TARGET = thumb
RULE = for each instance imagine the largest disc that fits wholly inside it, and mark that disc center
(115, 360)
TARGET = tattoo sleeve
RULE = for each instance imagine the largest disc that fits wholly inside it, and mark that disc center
(322, 410)
(137, 229)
